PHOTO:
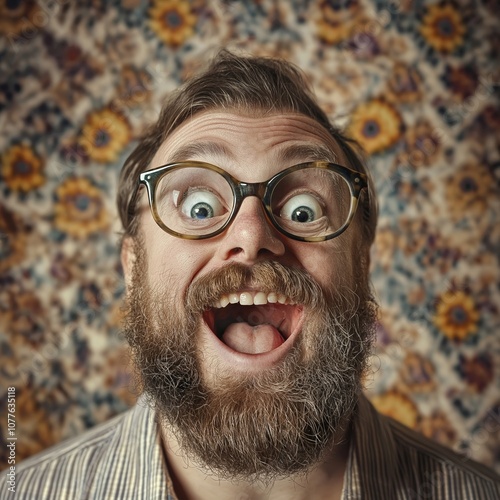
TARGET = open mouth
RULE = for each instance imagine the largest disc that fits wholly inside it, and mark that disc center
(253, 322)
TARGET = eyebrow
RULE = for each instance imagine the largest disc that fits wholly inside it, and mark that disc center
(200, 149)
(288, 154)
(307, 152)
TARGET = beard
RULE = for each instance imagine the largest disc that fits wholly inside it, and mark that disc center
(259, 426)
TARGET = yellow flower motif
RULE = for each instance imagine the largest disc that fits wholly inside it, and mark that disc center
(404, 85)
(24, 319)
(417, 373)
(16, 19)
(422, 145)
(386, 243)
(172, 20)
(398, 406)
(337, 20)
(80, 208)
(33, 418)
(456, 315)
(135, 86)
(104, 135)
(443, 28)
(469, 191)
(14, 239)
(21, 169)
(438, 427)
(376, 125)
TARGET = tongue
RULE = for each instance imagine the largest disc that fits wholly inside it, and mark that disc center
(248, 339)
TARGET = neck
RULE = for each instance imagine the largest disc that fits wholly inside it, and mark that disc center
(191, 481)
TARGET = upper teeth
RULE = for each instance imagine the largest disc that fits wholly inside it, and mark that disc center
(252, 298)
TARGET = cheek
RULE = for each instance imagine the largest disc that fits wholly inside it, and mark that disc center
(164, 258)
(173, 264)
(329, 264)
(169, 265)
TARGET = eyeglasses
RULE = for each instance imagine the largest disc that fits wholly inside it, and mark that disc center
(312, 202)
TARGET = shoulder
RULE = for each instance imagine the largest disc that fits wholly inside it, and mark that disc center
(70, 467)
(393, 461)
(438, 468)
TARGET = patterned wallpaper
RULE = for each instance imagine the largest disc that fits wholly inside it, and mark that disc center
(416, 82)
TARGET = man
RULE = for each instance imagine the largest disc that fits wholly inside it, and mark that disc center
(248, 222)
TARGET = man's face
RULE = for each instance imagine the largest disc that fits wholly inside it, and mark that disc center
(263, 385)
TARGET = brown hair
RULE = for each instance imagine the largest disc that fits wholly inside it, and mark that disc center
(251, 85)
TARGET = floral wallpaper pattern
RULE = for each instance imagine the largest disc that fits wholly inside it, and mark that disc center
(415, 82)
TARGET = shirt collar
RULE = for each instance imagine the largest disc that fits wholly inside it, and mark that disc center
(372, 462)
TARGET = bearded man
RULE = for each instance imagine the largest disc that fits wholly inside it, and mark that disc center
(248, 220)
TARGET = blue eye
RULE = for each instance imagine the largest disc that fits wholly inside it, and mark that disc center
(201, 211)
(301, 208)
(202, 205)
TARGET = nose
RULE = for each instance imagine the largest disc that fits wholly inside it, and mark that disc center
(251, 237)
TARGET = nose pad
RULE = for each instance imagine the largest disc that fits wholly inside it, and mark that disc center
(251, 235)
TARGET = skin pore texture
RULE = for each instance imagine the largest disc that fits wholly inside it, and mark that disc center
(269, 419)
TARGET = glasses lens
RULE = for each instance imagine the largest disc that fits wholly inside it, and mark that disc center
(193, 200)
(311, 202)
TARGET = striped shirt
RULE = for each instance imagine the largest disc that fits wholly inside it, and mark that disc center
(123, 459)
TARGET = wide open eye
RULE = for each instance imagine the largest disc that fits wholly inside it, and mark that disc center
(301, 208)
(202, 205)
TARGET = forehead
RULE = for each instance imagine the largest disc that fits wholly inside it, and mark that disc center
(233, 138)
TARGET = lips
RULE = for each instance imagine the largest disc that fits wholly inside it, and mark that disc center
(253, 322)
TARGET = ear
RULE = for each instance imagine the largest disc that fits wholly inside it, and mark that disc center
(128, 258)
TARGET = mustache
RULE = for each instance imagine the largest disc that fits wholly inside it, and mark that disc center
(269, 276)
